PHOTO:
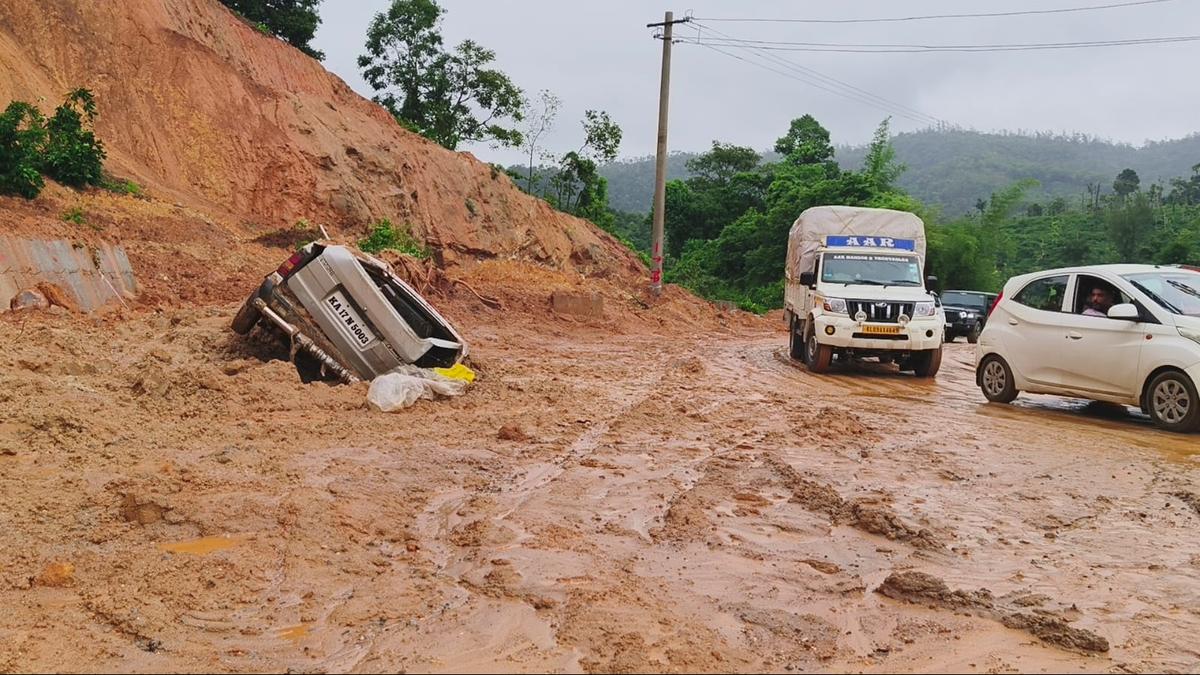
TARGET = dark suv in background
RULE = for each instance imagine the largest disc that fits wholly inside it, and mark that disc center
(966, 313)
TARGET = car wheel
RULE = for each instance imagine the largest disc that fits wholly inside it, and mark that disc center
(948, 336)
(817, 356)
(996, 380)
(973, 336)
(795, 341)
(246, 318)
(927, 363)
(1172, 403)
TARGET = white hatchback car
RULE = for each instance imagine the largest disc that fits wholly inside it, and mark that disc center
(1145, 352)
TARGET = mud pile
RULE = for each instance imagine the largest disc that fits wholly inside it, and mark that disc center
(206, 113)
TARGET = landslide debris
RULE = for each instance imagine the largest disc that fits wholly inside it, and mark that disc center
(925, 589)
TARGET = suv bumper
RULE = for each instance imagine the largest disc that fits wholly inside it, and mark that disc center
(920, 334)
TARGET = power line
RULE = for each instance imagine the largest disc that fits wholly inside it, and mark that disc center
(847, 90)
(1063, 10)
(919, 48)
(921, 119)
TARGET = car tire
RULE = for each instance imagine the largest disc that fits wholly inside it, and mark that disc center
(817, 356)
(1172, 402)
(246, 317)
(948, 337)
(927, 363)
(996, 380)
(795, 341)
(973, 336)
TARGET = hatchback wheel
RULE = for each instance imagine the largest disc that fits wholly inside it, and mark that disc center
(1172, 402)
(996, 380)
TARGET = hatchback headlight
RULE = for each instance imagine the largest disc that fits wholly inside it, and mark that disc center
(834, 305)
(922, 309)
(1190, 334)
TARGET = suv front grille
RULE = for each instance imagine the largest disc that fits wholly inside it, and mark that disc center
(880, 311)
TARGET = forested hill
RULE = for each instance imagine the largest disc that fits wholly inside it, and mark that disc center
(955, 168)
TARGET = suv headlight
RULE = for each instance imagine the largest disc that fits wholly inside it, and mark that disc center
(1190, 334)
(922, 309)
(834, 305)
(968, 315)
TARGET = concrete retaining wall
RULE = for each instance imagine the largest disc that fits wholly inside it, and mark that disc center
(92, 276)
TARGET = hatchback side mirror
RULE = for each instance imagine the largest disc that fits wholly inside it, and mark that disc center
(808, 279)
(1125, 311)
(930, 282)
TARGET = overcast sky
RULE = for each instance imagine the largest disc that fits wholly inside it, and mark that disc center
(601, 55)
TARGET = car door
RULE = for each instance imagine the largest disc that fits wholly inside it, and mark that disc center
(1099, 355)
(1033, 334)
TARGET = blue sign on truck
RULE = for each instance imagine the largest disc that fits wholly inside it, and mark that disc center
(871, 242)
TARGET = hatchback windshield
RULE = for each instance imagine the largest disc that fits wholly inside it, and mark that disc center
(1177, 292)
(955, 299)
(870, 269)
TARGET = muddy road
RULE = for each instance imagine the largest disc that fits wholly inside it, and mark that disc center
(598, 502)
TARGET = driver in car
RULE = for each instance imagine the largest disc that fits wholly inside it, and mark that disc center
(1099, 302)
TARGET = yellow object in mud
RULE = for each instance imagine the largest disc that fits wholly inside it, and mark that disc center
(457, 372)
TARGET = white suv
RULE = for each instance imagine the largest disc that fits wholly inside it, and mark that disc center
(1145, 352)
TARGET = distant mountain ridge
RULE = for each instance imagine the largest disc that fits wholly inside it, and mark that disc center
(954, 168)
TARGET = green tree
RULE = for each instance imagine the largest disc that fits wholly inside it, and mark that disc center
(448, 97)
(880, 163)
(73, 156)
(22, 138)
(1127, 183)
(538, 120)
(578, 186)
(1129, 226)
(294, 21)
(806, 142)
(719, 165)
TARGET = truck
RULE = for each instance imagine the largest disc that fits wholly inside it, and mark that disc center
(854, 288)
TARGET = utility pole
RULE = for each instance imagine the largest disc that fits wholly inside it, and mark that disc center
(660, 162)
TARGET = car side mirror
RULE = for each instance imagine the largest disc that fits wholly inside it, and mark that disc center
(1125, 311)
(808, 279)
(930, 282)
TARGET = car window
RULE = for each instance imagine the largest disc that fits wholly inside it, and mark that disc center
(1046, 294)
(1083, 289)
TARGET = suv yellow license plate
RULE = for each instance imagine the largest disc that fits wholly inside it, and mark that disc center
(882, 330)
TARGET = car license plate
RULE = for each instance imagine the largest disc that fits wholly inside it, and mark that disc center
(348, 319)
(882, 330)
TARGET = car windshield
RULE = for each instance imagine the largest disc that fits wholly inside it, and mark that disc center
(871, 269)
(958, 299)
(1177, 292)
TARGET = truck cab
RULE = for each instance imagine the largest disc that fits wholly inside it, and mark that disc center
(862, 293)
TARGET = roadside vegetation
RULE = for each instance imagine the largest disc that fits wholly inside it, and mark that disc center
(62, 147)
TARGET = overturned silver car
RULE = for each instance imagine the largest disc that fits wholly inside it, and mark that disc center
(348, 316)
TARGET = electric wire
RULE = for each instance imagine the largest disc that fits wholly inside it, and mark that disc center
(1062, 10)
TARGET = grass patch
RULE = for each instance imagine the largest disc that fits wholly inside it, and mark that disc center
(387, 237)
(74, 215)
(122, 186)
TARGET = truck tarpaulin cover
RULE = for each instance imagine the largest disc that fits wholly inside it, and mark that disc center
(809, 231)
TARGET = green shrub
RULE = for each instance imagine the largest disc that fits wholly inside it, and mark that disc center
(386, 237)
(122, 186)
(22, 139)
(73, 156)
(74, 215)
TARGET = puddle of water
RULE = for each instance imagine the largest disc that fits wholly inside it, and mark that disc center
(295, 633)
(202, 546)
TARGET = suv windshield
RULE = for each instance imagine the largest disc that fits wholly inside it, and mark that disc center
(958, 299)
(870, 269)
(1176, 292)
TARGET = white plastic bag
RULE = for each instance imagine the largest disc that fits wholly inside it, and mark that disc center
(395, 391)
(402, 387)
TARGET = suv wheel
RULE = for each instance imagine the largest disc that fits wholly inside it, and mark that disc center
(927, 363)
(973, 336)
(816, 355)
(247, 316)
(996, 380)
(1172, 403)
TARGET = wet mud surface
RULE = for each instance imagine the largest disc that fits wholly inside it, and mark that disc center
(625, 502)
